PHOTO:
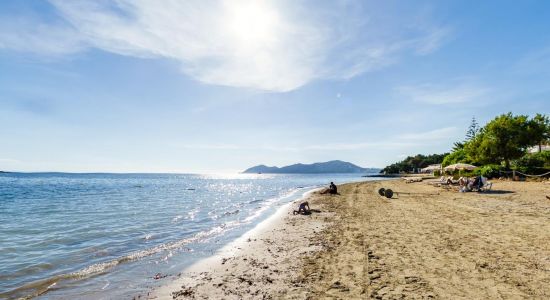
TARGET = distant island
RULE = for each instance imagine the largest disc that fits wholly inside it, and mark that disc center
(333, 166)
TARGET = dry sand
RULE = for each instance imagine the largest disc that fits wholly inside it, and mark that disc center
(433, 243)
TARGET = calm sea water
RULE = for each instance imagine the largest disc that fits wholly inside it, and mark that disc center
(107, 235)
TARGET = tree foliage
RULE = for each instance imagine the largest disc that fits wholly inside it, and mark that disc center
(501, 143)
(473, 130)
(533, 163)
(502, 140)
(412, 163)
(539, 129)
(457, 156)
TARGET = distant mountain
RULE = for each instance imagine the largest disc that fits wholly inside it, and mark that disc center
(333, 166)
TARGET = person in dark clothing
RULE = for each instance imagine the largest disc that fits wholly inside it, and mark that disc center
(332, 188)
(303, 209)
(477, 183)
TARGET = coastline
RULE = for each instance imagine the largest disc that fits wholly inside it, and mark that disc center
(426, 242)
(257, 264)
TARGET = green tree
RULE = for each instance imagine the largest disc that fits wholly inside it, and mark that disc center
(457, 156)
(539, 130)
(457, 146)
(473, 130)
(504, 138)
(413, 163)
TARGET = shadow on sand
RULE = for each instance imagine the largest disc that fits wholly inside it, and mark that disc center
(309, 212)
(497, 192)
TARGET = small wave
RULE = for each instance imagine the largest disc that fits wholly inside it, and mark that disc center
(227, 213)
(177, 218)
(267, 204)
(37, 288)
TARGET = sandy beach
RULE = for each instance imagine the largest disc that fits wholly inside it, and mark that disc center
(432, 243)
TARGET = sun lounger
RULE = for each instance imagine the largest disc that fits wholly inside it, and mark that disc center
(486, 185)
(412, 179)
(444, 182)
(441, 180)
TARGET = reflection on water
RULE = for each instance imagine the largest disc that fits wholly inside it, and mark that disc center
(93, 235)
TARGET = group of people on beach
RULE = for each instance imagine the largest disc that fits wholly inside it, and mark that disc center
(304, 209)
(467, 184)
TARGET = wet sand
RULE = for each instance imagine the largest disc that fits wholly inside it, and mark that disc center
(432, 243)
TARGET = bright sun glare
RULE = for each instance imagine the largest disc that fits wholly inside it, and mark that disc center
(251, 22)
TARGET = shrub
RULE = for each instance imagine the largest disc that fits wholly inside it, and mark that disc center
(533, 163)
(490, 171)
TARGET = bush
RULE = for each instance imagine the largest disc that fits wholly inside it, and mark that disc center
(533, 163)
(490, 171)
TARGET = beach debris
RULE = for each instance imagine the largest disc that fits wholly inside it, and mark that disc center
(388, 193)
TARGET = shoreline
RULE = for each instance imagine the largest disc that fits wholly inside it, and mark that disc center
(253, 243)
(426, 242)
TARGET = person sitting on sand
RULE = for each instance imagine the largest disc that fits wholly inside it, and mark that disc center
(332, 189)
(478, 182)
(302, 210)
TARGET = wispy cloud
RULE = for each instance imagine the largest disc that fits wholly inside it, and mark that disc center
(433, 40)
(537, 61)
(267, 45)
(299, 148)
(436, 134)
(443, 94)
(47, 39)
(399, 141)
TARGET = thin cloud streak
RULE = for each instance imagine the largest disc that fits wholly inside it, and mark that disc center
(534, 62)
(400, 141)
(440, 95)
(322, 147)
(267, 45)
(432, 135)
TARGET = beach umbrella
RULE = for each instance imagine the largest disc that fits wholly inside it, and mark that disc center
(460, 166)
(431, 168)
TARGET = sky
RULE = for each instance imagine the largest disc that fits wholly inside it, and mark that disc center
(218, 86)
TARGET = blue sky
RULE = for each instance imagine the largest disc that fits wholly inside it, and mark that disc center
(218, 86)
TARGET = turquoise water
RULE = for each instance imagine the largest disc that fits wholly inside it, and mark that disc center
(107, 235)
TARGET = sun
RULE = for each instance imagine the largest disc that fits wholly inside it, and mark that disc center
(250, 22)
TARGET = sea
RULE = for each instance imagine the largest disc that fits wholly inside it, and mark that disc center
(111, 236)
